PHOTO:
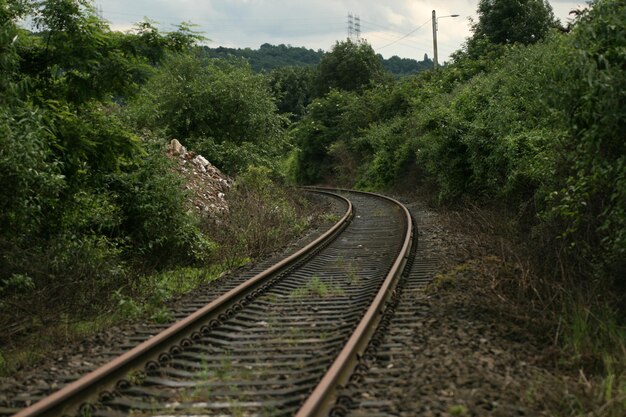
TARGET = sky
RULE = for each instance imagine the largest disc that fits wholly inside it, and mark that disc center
(392, 27)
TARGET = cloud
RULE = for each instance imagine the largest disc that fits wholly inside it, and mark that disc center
(313, 24)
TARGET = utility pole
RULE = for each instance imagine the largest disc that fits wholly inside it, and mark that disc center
(435, 40)
(435, 62)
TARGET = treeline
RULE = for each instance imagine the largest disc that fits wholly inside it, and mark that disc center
(528, 118)
(269, 57)
(406, 66)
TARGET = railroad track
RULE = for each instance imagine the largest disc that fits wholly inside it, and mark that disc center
(278, 344)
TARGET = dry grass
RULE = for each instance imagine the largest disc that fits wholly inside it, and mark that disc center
(584, 342)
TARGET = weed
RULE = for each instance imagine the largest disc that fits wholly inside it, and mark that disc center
(458, 410)
(200, 390)
(329, 218)
(224, 371)
(315, 286)
(136, 377)
(352, 275)
(269, 297)
(10, 361)
(269, 411)
(594, 338)
(161, 315)
(236, 410)
(261, 217)
(301, 292)
(85, 412)
(442, 282)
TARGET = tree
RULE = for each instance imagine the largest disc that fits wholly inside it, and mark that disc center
(238, 124)
(349, 66)
(293, 89)
(512, 21)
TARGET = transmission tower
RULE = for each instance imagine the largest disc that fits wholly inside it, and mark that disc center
(350, 25)
(357, 27)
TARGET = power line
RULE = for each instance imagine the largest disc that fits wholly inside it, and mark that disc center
(405, 36)
(388, 36)
(408, 44)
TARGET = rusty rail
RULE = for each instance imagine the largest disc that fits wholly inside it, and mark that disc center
(73, 395)
(322, 398)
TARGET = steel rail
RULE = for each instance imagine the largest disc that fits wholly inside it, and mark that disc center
(321, 400)
(73, 395)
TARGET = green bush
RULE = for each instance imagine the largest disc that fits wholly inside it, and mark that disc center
(333, 138)
(390, 154)
(349, 66)
(31, 175)
(328, 120)
(157, 222)
(238, 125)
(588, 205)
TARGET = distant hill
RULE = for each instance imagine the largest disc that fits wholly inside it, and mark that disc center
(268, 57)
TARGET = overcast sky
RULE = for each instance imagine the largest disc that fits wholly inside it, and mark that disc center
(313, 24)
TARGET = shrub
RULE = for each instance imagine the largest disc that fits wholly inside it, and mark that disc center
(390, 154)
(587, 207)
(160, 227)
(31, 175)
(238, 124)
(262, 216)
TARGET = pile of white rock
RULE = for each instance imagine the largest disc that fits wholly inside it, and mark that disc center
(208, 185)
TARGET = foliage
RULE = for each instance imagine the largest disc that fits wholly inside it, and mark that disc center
(76, 58)
(387, 152)
(262, 216)
(405, 66)
(269, 57)
(293, 88)
(349, 66)
(76, 181)
(158, 228)
(326, 122)
(588, 205)
(238, 125)
(488, 138)
(31, 177)
(328, 137)
(8, 56)
(513, 21)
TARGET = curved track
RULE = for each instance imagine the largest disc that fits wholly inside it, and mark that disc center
(278, 344)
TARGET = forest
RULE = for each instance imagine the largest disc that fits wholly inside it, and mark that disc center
(269, 57)
(527, 120)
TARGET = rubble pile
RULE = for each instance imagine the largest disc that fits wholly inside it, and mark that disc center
(208, 185)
